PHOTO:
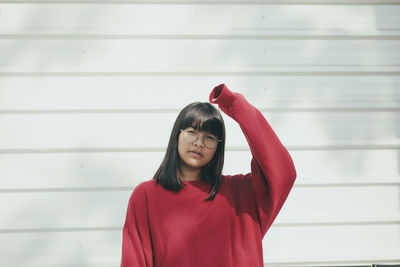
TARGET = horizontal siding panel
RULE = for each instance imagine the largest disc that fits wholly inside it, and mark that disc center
(61, 249)
(124, 170)
(143, 93)
(124, 55)
(324, 205)
(121, 131)
(366, 243)
(205, 19)
(103, 248)
(173, 2)
(342, 204)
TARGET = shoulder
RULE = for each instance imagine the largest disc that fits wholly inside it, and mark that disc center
(239, 186)
(235, 180)
(142, 189)
(146, 185)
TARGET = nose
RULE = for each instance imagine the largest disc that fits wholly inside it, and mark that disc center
(200, 140)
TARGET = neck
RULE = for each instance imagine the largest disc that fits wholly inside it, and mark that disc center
(189, 174)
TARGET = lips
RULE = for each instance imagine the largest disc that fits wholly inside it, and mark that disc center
(196, 152)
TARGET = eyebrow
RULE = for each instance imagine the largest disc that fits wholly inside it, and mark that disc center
(200, 131)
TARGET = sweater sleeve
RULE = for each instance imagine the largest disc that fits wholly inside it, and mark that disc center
(272, 170)
(136, 240)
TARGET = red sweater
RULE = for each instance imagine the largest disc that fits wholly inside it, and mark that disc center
(167, 229)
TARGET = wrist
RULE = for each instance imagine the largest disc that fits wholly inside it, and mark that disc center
(221, 95)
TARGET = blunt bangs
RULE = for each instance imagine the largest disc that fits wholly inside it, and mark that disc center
(203, 118)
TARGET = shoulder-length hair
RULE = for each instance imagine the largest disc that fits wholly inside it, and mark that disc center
(202, 116)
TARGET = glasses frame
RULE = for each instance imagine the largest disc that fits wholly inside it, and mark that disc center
(197, 138)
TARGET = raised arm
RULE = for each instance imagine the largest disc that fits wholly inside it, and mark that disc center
(272, 169)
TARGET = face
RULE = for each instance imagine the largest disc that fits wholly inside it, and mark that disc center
(191, 159)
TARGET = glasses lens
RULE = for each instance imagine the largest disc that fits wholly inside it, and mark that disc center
(191, 136)
(210, 141)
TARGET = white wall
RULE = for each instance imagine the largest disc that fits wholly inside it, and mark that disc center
(80, 79)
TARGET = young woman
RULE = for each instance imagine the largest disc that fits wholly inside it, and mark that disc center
(190, 214)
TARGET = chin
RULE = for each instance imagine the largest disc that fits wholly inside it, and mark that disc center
(194, 165)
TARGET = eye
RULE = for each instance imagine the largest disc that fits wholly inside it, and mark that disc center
(212, 138)
(191, 132)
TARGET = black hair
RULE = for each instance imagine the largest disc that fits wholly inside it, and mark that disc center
(202, 116)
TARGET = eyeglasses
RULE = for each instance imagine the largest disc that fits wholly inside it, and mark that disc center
(209, 140)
